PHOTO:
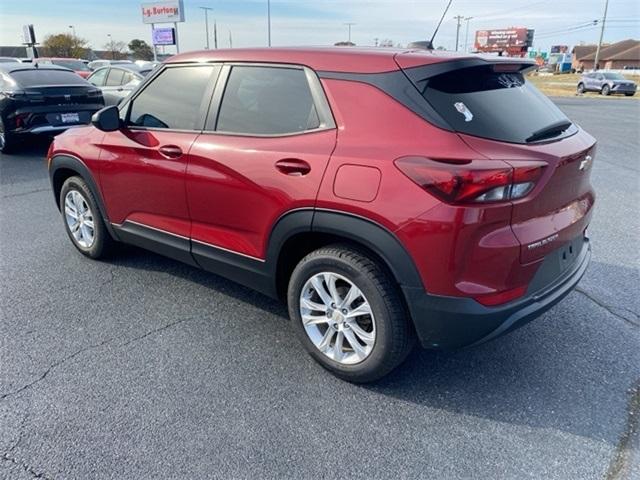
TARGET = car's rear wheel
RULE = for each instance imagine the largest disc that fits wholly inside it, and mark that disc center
(82, 220)
(349, 313)
(581, 88)
(606, 90)
(7, 139)
(630, 94)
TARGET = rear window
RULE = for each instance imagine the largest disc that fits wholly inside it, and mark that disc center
(496, 105)
(42, 76)
(72, 64)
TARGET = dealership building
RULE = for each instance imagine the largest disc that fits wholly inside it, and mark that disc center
(615, 56)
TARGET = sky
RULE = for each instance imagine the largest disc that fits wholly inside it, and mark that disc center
(322, 22)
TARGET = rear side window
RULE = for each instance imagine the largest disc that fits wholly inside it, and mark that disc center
(42, 76)
(496, 105)
(172, 100)
(267, 101)
(115, 77)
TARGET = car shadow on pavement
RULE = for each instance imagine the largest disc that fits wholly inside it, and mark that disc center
(562, 371)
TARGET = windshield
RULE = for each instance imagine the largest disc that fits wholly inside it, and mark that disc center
(613, 76)
(42, 76)
(72, 64)
(497, 105)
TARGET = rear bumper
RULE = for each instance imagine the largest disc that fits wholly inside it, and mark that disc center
(48, 119)
(454, 322)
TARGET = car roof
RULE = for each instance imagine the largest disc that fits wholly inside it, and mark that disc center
(355, 59)
(11, 67)
(130, 67)
(336, 59)
(57, 58)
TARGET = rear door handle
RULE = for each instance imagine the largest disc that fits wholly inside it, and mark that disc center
(293, 167)
(170, 151)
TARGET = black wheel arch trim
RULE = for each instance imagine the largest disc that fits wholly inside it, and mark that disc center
(71, 162)
(350, 226)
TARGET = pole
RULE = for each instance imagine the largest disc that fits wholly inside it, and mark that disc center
(206, 22)
(230, 40)
(175, 25)
(215, 34)
(349, 24)
(269, 22)
(604, 19)
(458, 19)
(466, 36)
(206, 25)
(153, 44)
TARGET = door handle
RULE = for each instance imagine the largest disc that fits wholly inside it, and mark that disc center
(170, 151)
(293, 167)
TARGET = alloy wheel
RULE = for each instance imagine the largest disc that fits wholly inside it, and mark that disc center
(337, 318)
(79, 218)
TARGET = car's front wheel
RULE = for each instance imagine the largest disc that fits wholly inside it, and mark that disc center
(82, 220)
(349, 314)
(581, 88)
(606, 90)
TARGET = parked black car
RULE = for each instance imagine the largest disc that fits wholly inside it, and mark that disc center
(606, 83)
(42, 100)
(117, 81)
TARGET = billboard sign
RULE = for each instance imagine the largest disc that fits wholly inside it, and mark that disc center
(504, 39)
(164, 36)
(163, 12)
(559, 49)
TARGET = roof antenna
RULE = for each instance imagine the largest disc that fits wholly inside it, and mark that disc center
(439, 23)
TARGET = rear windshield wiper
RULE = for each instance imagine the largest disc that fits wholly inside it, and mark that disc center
(552, 130)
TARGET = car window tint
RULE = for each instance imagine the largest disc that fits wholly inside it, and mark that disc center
(97, 78)
(497, 105)
(267, 101)
(172, 99)
(115, 77)
(43, 76)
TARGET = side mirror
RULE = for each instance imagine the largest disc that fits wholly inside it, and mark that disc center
(107, 119)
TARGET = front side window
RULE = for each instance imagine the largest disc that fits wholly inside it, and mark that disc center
(267, 101)
(172, 100)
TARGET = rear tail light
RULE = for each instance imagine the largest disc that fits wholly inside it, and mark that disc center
(26, 96)
(472, 181)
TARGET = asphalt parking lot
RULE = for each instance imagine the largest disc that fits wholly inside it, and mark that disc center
(141, 367)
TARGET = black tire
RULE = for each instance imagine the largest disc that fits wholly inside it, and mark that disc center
(7, 139)
(102, 244)
(629, 94)
(394, 336)
(606, 90)
(581, 89)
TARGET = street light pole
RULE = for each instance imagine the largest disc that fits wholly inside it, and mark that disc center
(604, 19)
(73, 30)
(113, 53)
(466, 36)
(269, 23)
(206, 22)
(458, 18)
(349, 24)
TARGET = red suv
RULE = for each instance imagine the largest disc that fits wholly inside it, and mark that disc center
(385, 195)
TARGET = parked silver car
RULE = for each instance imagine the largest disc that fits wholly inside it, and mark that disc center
(606, 83)
(117, 81)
